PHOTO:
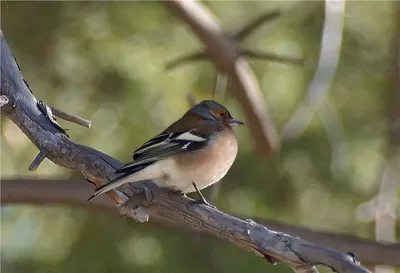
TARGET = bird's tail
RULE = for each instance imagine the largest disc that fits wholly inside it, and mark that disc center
(111, 185)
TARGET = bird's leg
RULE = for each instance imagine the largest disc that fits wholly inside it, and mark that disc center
(201, 200)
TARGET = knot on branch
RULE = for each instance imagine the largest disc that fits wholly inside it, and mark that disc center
(46, 111)
(134, 206)
(353, 258)
(6, 104)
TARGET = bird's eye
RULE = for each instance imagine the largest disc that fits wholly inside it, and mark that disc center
(223, 115)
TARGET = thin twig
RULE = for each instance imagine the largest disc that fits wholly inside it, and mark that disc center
(71, 118)
(272, 57)
(195, 56)
(238, 36)
(36, 161)
(253, 25)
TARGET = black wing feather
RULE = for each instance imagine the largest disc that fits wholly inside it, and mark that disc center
(160, 147)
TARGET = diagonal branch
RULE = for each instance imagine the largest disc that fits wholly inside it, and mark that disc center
(264, 55)
(253, 25)
(158, 204)
(195, 56)
(71, 118)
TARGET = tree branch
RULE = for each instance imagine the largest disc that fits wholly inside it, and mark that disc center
(159, 205)
(72, 192)
(71, 118)
(253, 25)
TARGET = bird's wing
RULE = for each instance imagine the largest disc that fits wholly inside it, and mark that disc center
(162, 146)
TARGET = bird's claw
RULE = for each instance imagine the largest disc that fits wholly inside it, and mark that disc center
(202, 200)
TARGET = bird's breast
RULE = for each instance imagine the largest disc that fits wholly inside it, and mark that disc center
(205, 166)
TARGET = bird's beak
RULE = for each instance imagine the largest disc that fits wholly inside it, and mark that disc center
(233, 122)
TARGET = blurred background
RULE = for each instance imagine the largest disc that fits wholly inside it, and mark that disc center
(105, 61)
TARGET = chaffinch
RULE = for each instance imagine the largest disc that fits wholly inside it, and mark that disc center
(193, 153)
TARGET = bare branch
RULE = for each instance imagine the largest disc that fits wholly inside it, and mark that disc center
(226, 54)
(72, 192)
(195, 56)
(36, 161)
(256, 54)
(253, 25)
(99, 168)
(71, 118)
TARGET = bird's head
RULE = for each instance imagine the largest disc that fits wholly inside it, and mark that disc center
(212, 110)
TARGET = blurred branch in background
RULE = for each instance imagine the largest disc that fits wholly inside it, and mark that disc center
(141, 200)
(315, 101)
(72, 192)
(239, 36)
(386, 210)
(337, 140)
(226, 54)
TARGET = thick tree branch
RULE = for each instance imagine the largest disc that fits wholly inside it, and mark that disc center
(158, 204)
(72, 192)
(227, 56)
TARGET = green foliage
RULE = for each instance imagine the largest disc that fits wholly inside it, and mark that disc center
(105, 61)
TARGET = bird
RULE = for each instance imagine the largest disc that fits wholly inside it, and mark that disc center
(193, 153)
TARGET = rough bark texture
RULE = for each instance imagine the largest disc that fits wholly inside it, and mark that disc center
(155, 203)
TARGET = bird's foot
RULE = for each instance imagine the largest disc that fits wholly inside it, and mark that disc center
(202, 200)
